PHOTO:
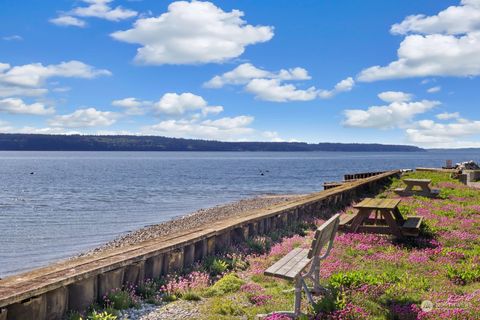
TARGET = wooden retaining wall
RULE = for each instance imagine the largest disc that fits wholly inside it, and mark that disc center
(362, 175)
(47, 293)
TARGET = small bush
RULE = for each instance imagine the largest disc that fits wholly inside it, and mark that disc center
(259, 245)
(148, 289)
(355, 279)
(191, 296)
(229, 283)
(215, 266)
(121, 299)
(94, 315)
(464, 273)
(227, 308)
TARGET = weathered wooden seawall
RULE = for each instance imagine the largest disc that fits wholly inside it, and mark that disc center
(47, 293)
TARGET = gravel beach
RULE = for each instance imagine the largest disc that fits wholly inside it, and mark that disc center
(195, 220)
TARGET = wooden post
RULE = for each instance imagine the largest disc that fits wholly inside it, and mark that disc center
(222, 241)
(201, 249)
(134, 273)
(31, 309)
(108, 281)
(175, 260)
(188, 256)
(154, 266)
(57, 303)
(82, 294)
(211, 246)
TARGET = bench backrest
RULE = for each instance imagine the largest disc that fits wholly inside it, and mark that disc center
(324, 235)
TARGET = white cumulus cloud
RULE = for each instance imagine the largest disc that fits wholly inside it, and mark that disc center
(444, 135)
(397, 113)
(343, 86)
(18, 106)
(30, 79)
(101, 9)
(434, 89)
(275, 90)
(395, 96)
(245, 72)
(81, 118)
(178, 104)
(95, 8)
(35, 74)
(453, 20)
(276, 86)
(132, 106)
(65, 21)
(448, 116)
(446, 44)
(193, 32)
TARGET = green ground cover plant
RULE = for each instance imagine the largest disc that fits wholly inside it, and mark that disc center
(369, 276)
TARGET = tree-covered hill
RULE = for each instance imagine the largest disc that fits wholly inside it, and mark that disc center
(156, 143)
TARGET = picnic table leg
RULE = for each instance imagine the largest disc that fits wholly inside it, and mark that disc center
(397, 215)
(426, 189)
(392, 223)
(358, 220)
(409, 187)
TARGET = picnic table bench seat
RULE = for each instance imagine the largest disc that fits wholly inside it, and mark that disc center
(302, 264)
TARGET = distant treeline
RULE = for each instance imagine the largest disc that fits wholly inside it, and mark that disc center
(43, 142)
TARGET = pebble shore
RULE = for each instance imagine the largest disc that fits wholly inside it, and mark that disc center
(194, 220)
(181, 309)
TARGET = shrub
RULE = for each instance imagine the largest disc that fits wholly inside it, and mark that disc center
(218, 267)
(229, 283)
(357, 278)
(215, 266)
(121, 299)
(259, 245)
(227, 308)
(94, 315)
(148, 289)
(464, 273)
(191, 296)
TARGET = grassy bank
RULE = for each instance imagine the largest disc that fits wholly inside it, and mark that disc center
(371, 276)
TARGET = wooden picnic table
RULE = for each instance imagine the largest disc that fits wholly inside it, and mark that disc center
(387, 218)
(423, 184)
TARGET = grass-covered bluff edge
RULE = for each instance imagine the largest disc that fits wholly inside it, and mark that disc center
(371, 276)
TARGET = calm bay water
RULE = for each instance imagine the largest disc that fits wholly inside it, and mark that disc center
(75, 201)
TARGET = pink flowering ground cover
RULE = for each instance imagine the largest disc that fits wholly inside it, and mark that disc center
(433, 276)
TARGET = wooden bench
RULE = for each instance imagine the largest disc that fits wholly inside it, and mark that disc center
(294, 264)
(423, 184)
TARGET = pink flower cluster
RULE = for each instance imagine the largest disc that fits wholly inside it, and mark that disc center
(251, 288)
(406, 311)
(350, 311)
(260, 300)
(195, 280)
(353, 239)
(287, 245)
(460, 235)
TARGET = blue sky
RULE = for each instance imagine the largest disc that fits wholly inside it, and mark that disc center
(402, 72)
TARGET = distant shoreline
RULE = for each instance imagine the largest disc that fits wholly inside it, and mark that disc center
(44, 142)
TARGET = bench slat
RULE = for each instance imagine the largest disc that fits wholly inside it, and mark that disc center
(413, 222)
(346, 219)
(289, 266)
(280, 263)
